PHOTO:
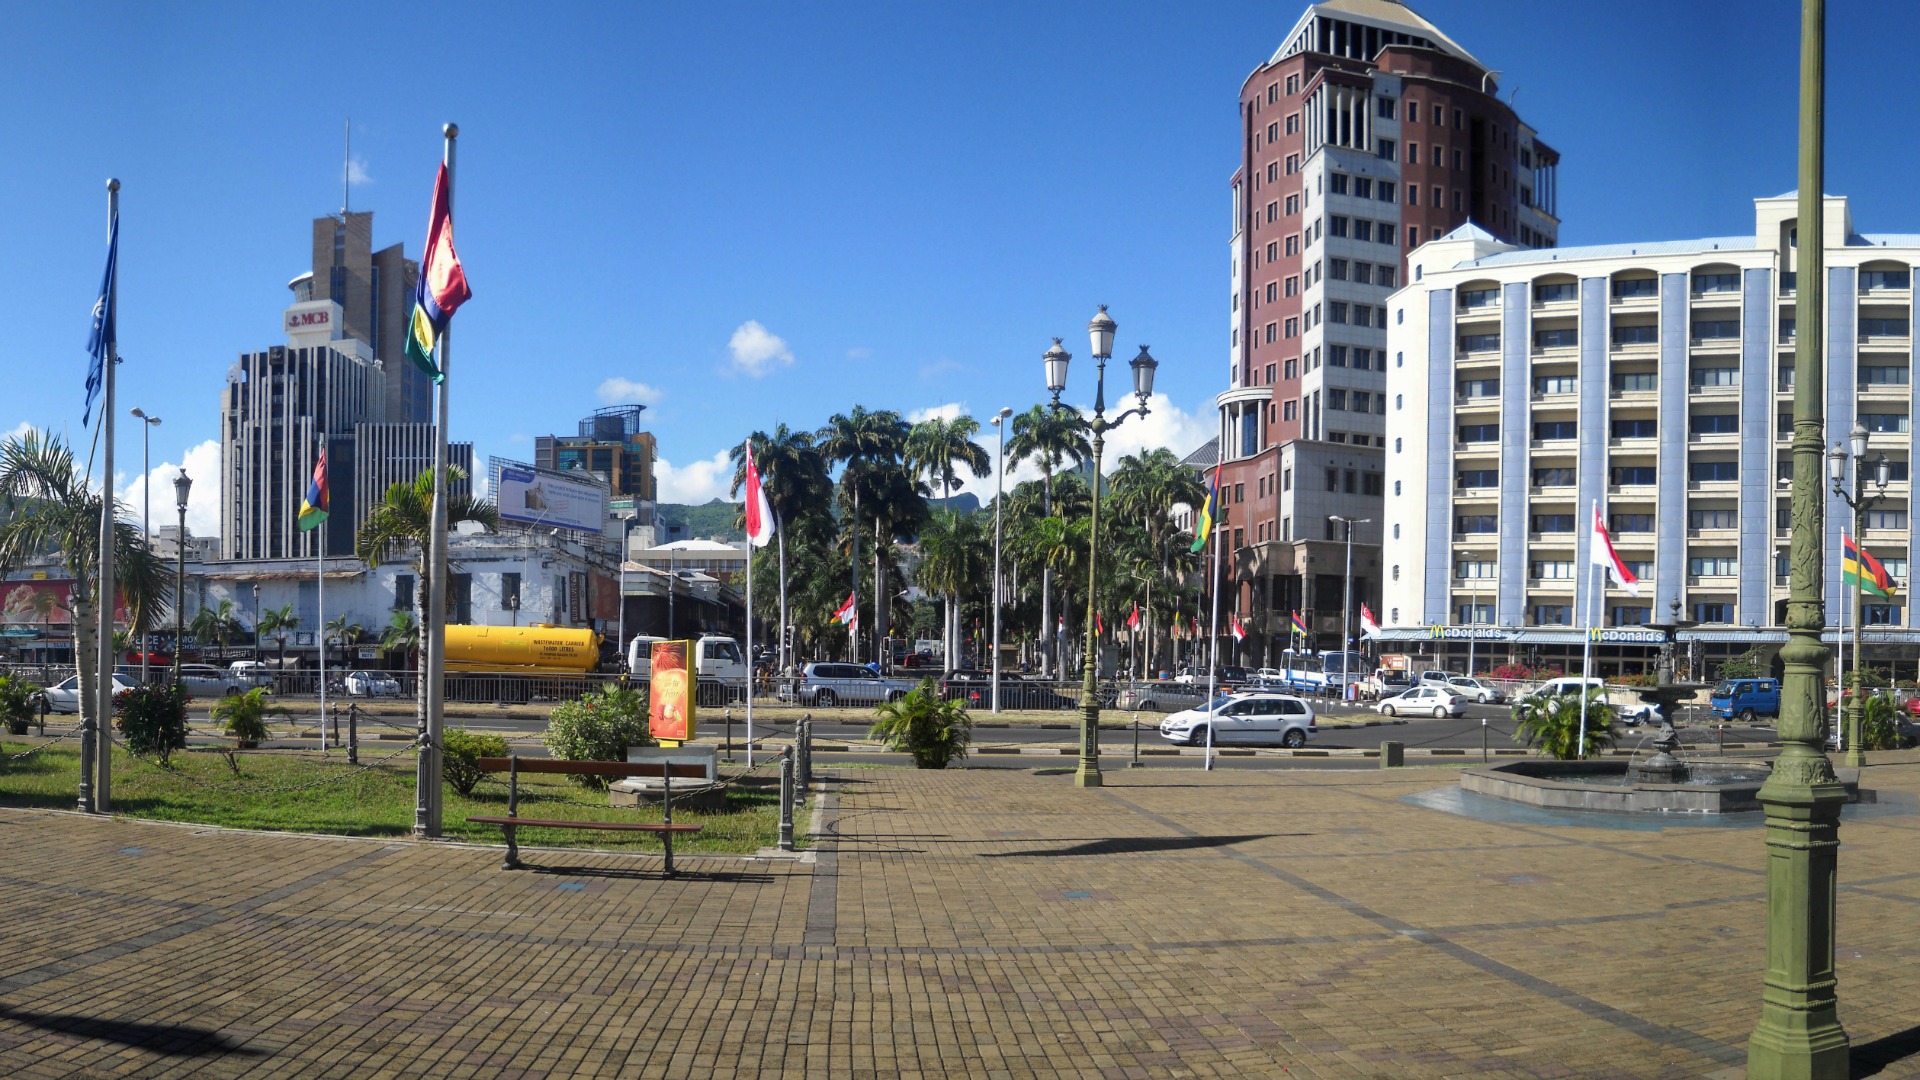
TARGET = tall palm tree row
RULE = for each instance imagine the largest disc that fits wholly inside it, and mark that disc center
(793, 472)
(1051, 438)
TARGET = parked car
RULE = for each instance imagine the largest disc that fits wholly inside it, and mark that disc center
(826, 685)
(1747, 699)
(1436, 675)
(1431, 698)
(372, 684)
(1475, 690)
(1244, 720)
(1384, 683)
(250, 673)
(64, 696)
(974, 688)
(1631, 713)
(1161, 697)
(207, 681)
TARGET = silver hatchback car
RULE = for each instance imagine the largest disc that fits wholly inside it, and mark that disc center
(826, 685)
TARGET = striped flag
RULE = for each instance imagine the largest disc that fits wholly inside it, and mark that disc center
(1601, 553)
(1299, 625)
(1208, 511)
(1233, 624)
(313, 508)
(1860, 570)
(442, 287)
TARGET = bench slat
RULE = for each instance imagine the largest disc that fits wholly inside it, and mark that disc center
(596, 768)
(623, 826)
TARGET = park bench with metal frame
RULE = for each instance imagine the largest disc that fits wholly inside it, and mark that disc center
(515, 765)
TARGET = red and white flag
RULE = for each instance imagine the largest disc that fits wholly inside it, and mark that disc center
(759, 513)
(1601, 553)
(1099, 624)
(1369, 626)
(1233, 624)
(1133, 619)
(849, 612)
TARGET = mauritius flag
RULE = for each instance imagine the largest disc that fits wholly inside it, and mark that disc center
(1861, 570)
(313, 508)
(1299, 624)
(442, 287)
(1208, 511)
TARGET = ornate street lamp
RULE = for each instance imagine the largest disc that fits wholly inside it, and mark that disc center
(182, 484)
(1840, 462)
(1100, 335)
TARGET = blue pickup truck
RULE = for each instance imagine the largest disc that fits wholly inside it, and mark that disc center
(1746, 699)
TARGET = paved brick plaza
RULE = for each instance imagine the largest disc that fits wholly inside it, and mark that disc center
(988, 922)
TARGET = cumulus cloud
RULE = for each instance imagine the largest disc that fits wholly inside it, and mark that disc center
(756, 350)
(699, 482)
(357, 174)
(203, 502)
(621, 391)
(1166, 425)
(19, 431)
(949, 411)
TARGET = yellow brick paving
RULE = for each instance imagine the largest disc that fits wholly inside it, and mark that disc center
(984, 922)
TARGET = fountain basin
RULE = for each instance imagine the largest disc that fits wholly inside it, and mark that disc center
(1711, 787)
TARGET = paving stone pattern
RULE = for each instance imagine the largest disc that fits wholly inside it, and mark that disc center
(966, 923)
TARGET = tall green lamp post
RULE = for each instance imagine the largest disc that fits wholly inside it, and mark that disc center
(1858, 501)
(1799, 1033)
(1100, 331)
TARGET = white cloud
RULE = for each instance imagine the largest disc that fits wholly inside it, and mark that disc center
(203, 501)
(1166, 425)
(357, 172)
(951, 410)
(755, 349)
(19, 431)
(859, 352)
(622, 391)
(702, 481)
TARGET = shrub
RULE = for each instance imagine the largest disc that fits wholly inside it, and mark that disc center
(1551, 725)
(461, 754)
(154, 719)
(1637, 679)
(599, 727)
(19, 699)
(244, 715)
(1748, 665)
(932, 730)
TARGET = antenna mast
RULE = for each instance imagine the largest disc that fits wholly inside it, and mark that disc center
(346, 168)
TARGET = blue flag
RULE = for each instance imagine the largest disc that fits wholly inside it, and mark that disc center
(102, 340)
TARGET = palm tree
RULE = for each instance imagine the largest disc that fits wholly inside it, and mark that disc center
(405, 517)
(1146, 488)
(1551, 724)
(218, 623)
(953, 559)
(936, 446)
(48, 507)
(867, 443)
(793, 473)
(340, 630)
(1052, 438)
(401, 634)
(277, 623)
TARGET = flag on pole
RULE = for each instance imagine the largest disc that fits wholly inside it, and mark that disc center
(1860, 570)
(1601, 553)
(849, 612)
(1099, 624)
(442, 286)
(1233, 624)
(1061, 629)
(1209, 508)
(313, 508)
(1299, 625)
(102, 339)
(1133, 620)
(1369, 626)
(759, 513)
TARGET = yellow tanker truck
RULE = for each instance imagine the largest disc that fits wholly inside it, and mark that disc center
(519, 663)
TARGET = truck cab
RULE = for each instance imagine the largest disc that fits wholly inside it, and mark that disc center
(1747, 699)
(719, 664)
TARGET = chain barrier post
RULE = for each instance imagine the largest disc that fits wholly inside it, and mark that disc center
(353, 733)
(86, 769)
(729, 712)
(43, 715)
(806, 754)
(1483, 740)
(1135, 763)
(786, 799)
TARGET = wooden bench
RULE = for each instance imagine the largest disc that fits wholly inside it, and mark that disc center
(515, 765)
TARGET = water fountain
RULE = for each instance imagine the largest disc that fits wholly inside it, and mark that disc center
(1660, 783)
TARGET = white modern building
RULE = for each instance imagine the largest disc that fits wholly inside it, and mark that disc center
(1655, 381)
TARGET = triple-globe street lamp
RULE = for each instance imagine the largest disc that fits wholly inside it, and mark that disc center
(1100, 334)
(1854, 454)
(182, 484)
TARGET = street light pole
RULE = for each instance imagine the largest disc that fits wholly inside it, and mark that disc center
(146, 523)
(1346, 614)
(182, 484)
(999, 497)
(1473, 607)
(1838, 461)
(1100, 333)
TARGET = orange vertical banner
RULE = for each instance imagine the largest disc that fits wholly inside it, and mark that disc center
(670, 693)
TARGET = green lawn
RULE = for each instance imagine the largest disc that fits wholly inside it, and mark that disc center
(300, 791)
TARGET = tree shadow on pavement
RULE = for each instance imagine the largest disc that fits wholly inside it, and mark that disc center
(176, 1040)
(1129, 845)
(654, 874)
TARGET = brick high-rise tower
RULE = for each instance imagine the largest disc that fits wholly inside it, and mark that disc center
(1367, 134)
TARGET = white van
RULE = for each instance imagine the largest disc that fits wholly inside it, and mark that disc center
(247, 674)
(1575, 684)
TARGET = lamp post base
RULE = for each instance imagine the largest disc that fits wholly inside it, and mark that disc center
(1087, 775)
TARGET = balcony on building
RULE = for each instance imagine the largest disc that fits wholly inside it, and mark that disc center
(1638, 336)
(1886, 281)
(1559, 340)
(1476, 302)
(1884, 327)
(1717, 286)
(1556, 295)
(1634, 380)
(1718, 426)
(1635, 291)
(1884, 376)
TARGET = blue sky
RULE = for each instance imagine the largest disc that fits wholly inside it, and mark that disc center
(752, 213)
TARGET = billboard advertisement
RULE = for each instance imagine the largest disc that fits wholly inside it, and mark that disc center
(44, 603)
(670, 693)
(540, 497)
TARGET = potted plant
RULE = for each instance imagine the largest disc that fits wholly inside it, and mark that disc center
(18, 701)
(244, 716)
(920, 723)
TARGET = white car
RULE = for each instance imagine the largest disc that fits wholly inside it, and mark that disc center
(372, 684)
(1474, 690)
(1428, 698)
(1244, 720)
(64, 696)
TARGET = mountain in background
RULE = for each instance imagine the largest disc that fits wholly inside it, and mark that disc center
(720, 519)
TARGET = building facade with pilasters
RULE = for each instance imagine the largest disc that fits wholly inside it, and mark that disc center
(1654, 381)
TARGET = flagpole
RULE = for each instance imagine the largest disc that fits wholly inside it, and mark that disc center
(1586, 645)
(103, 707)
(1840, 653)
(749, 509)
(426, 821)
(1213, 658)
(320, 591)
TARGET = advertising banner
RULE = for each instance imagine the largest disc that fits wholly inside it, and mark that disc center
(44, 602)
(540, 497)
(670, 692)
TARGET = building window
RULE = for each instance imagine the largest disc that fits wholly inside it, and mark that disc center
(1883, 279)
(1413, 240)
(1635, 288)
(1337, 224)
(1630, 615)
(1477, 478)
(1553, 570)
(1713, 612)
(1554, 292)
(509, 592)
(1644, 380)
(1476, 523)
(1479, 343)
(1714, 423)
(1333, 479)
(1286, 479)
(1554, 476)
(1880, 615)
(1881, 422)
(1554, 384)
(1552, 615)
(1564, 338)
(1713, 566)
(1337, 400)
(1884, 519)
(1476, 433)
(403, 592)
(1644, 428)
(1869, 376)
(1389, 191)
(1413, 153)
(1713, 472)
(1630, 523)
(1386, 149)
(1634, 475)
(1552, 523)
(1337, 312)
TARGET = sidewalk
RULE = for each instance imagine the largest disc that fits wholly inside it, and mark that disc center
(968, 922)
